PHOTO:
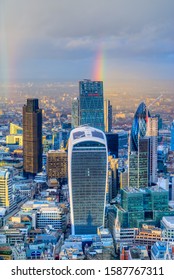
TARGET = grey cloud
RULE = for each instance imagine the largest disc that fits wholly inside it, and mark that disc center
(75, 29)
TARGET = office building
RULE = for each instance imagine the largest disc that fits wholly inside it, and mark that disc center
(143, 205)
(172, 137)
(114, 178)
(112, 143)
(162, 251)
(32, 138)
(57, 164)
(139, 150)
(152, 132)
(75, 113)
(87, 177)
(53, 216)
(138, 171)
(5, 189)
(107, 115)
(15, 129)
(138, 126)
(60, 139)
(91, 104)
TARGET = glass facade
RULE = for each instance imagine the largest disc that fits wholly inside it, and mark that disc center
(140, 206)
(138, 126)
(88, 181)
(91, 104)
(87, 173)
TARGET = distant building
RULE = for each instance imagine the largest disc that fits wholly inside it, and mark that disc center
(87, 177)
(15, 129)
(32, 138)
(91, 104)
(167, 225)
(53, 216)
(5, 188)
(75, 113)
(107, 115)
(57, 164)
(112, 143)
(14, 140)
(143, 206)
(172, 137)
(139, 150)
(138, 171)
(152, 132)
(162, 251)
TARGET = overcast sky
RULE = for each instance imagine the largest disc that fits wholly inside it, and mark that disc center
(61, 39)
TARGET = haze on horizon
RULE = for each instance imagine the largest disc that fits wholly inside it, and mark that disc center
(72, 40)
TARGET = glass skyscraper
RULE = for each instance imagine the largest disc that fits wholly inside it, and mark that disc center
(91, 104)
(138, 126)
(139, 150)
(87, 177)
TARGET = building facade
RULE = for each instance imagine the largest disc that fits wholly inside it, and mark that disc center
(75, 113)
(32, 138)
(5, 188)
(107, 115)
(57, 164)
(152, 132)
(87, 177)
(91, 104)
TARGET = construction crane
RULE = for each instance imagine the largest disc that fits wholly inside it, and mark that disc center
(152, 103)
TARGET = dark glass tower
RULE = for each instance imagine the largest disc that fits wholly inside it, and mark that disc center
(32, 138)
(91, 104)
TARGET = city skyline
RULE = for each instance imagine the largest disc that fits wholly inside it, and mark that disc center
(66, 41)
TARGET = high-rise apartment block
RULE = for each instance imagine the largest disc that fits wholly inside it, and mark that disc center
(57, 164)
(91, 104)
(87, 176)
(32, 138)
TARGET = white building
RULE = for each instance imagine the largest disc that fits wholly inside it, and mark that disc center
(51, 216)
(167, 225)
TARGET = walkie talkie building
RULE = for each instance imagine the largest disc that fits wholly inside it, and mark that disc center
(87, 177)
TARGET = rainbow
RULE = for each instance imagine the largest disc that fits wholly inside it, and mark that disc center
(98, 70)
(4, 59)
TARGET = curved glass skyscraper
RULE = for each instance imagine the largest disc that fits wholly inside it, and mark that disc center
(138, 126)
(87, 177)
(138, 172)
